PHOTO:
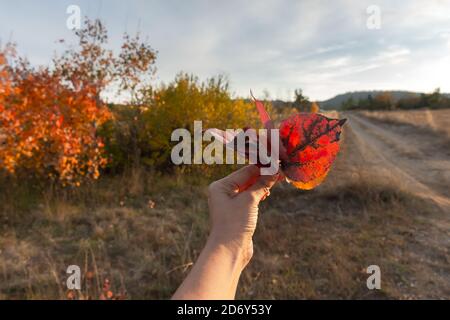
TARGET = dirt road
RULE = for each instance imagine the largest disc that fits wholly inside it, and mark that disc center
(421, 160)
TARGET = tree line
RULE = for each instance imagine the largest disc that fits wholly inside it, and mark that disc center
(385, 101)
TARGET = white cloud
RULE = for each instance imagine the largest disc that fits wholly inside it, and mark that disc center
(336, 62)
(393, 55)
(393, 52)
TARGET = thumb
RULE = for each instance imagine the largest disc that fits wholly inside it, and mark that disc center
(261, 188)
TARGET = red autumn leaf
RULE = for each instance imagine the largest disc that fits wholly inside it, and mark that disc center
(311, 141)
(263, 115)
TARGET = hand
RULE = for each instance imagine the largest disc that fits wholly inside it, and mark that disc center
(233, 206)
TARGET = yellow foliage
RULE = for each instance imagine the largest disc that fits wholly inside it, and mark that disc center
(185, 100)
(314, 107)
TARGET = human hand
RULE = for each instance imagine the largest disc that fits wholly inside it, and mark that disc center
(233, 205)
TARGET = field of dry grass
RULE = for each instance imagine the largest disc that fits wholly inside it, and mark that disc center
(142, 231)
(435, 120)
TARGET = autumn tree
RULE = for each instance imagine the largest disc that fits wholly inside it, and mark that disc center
(184, 100)
(91, 64)
(5, 91)
(383, 101)
(49, 115)
(314, 108)
(48, 127)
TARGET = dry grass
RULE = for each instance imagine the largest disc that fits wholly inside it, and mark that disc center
(321, 243)
(435, 120)
(131, 231)
(142, 231)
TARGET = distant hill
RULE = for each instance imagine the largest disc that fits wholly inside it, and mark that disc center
(335, 102)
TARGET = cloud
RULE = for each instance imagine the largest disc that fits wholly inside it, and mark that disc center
(336, 62)
(392, 55)
(321, 46)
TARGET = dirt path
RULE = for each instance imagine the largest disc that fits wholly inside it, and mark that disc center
(421, 161)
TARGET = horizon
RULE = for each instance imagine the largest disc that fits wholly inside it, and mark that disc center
(406, 49)
(369, 91)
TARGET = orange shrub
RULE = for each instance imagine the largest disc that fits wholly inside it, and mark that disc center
(49, 116)
(47, 128)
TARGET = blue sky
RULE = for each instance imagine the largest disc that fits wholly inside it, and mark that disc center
(323, 47)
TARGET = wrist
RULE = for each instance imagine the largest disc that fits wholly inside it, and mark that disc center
(239, 248)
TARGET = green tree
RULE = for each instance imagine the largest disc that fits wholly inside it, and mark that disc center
(431, 100)
(348, 104)
(301, 102)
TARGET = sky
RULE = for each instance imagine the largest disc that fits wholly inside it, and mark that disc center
(323, 47)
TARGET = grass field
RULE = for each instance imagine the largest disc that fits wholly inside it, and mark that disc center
(435, 120)
(142, 231)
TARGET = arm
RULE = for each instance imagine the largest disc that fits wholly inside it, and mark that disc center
(233, 205)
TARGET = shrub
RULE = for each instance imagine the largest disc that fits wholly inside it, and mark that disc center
(48, 128)
(142, 134)
(49, 116)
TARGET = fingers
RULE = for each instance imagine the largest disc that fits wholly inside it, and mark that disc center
(242, 178)
(261, 188)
